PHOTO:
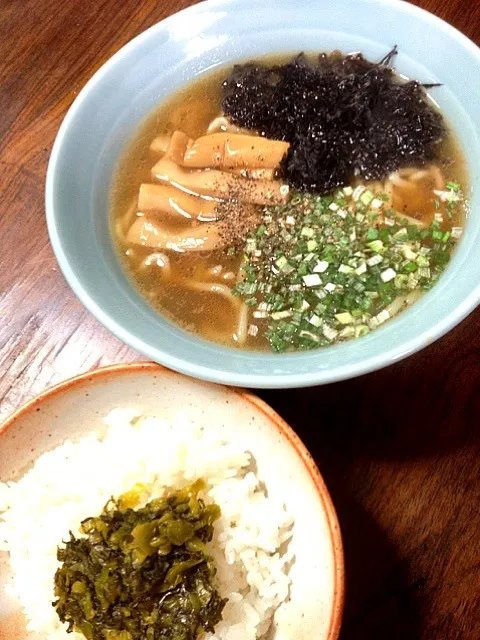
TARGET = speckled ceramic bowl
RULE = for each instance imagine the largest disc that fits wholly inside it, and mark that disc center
(76, 407)
(189, 44)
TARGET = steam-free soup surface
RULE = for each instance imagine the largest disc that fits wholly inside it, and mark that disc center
(207, 309)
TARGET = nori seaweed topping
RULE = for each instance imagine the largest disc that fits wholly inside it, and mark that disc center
(344, 117)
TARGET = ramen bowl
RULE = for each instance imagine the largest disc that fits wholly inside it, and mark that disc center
(189, 44)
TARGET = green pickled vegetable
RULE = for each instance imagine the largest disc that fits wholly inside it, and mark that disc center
(141, 573)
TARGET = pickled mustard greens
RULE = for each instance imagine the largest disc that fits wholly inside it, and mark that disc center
(323, 269)
(141, 574)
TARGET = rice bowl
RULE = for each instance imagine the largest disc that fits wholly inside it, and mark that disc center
(266, 560)
(39, 513)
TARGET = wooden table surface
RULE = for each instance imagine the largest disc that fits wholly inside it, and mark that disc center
(399, 449)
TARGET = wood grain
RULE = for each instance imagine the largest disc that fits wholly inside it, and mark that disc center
(399, 449)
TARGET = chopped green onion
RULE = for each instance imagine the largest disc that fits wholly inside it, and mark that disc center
(302, 269)
(382, 317)
(424, 272)
(315, 320)
(253, 330)
(412, 281)
(401, 233)
(453, 186)
(376, 245)
(370, 260)
(457, 232)
(249, 287)
(312, 280)
(361, 330)
(422, 261)
(280, 315)
(320, 267)
(357, 192)
(407, 252)
(344, 318)
(305, 306)
(362, 268)
(308, 232)
(367, 197)
(388, 274)
(374, 260)
(284, 266)
(329, 332)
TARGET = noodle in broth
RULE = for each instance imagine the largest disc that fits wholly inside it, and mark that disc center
(195, 288)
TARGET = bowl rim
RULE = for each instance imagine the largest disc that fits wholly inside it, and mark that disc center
(313, 376)
(30, 407)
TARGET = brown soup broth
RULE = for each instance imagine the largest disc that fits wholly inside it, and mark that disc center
(212, 316)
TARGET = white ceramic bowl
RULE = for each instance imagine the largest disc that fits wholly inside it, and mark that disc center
(189, 44)
(76, 407)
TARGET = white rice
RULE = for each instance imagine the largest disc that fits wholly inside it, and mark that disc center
(76, 480)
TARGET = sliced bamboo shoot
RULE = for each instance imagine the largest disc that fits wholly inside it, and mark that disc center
(159, 145)
(149, 233)
(255, 174)
(220, 184)
(179, 143)
(167, 199)
(229, 150)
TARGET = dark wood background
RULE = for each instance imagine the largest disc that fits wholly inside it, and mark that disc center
(399, 449)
